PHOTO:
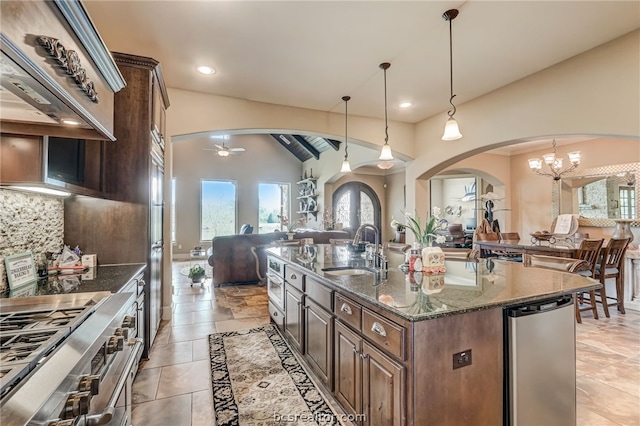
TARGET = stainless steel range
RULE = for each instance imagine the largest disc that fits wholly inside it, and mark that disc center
(68, 360)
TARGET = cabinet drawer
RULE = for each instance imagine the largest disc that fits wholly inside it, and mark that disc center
(275, 266)
(349, 312)
(294, 276)
(319, 293)
(276, 315)
(383, 332)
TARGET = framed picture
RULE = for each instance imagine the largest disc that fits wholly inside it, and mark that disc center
(21, 270)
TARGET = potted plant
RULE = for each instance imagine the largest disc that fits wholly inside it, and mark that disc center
(197, 273)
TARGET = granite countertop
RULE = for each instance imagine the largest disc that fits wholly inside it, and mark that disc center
(101, 278)
(466, 286)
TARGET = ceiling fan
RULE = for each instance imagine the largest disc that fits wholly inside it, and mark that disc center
(224, 151)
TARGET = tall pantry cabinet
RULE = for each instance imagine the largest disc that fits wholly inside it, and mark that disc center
(135, 162)
(126, 226)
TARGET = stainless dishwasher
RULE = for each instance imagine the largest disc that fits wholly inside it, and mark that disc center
(540, 381)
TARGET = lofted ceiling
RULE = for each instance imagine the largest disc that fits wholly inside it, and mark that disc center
(308, 54)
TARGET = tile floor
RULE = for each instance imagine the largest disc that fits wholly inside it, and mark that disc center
(172, 387)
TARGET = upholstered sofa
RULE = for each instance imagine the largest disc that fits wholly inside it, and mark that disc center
(233, 261)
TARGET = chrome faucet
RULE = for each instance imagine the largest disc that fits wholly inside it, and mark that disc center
(378, 258)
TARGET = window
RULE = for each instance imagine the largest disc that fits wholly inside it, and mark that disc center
(173, 210)
(627, 202)
(355, 203)
(217, 209)
(273, 200)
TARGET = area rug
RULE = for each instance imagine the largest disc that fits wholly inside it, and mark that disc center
(256, 380)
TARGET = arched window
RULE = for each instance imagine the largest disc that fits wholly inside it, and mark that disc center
(355, 203)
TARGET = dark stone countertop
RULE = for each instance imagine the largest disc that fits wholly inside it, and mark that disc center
(466, 286)
(109, 278)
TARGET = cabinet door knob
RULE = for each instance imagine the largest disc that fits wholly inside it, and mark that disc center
(346, 309)
(378, 329)
(275, 313)
(293, 276)
(363, 356)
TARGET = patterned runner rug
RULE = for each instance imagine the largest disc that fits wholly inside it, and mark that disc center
(257, 381)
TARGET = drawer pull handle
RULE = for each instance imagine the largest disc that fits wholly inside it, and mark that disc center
(346, 309)
(293, 276)
(363, 356)
(379, 329)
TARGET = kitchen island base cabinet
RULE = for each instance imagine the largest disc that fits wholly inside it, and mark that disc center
(293, 329)
(318, 334)
(369, 385)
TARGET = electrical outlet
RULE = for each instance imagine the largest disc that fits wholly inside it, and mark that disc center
(462, 359)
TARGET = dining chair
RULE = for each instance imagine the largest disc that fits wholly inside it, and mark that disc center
(612, 266)
(589, 251)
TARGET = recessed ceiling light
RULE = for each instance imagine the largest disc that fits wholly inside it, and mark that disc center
(70, 122)
(405, 105)
(206, 70)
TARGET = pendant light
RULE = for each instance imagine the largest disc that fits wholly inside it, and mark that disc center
(385, 154)
(346, 167)
(451, 131)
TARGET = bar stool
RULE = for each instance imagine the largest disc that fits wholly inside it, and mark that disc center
(589, 251)
(611, 266)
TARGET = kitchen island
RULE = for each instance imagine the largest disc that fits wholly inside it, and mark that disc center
(404, 348)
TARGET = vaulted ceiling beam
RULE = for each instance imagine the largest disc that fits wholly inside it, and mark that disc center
(288, 144)
(334, 144)
(306, 145)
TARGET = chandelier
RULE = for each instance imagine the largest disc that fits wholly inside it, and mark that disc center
(554, 163)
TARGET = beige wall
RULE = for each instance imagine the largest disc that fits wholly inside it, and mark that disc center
(595, 93)
(263, 161)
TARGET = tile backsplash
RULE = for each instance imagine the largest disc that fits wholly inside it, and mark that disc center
(29, 222)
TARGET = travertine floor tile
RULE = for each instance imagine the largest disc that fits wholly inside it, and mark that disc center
(624, 376)
(169, 411)
(202, 409)
(169, 354)
(198, 317)
(236, 324)
(608, 402)
(191, 332)
(184, 378)
(192, 307)
(200, 349)
(145, 385)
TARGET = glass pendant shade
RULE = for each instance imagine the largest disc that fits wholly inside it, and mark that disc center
(346, 167)
(385, 154)
(574, 157)
(385, 165)
(451, 131)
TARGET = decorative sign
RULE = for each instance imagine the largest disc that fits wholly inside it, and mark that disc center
(21, 270)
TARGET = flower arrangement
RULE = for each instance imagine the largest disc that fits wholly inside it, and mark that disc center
(424, 233)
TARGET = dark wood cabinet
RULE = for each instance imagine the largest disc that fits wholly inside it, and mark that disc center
(293, 307)
(368, 383)
(318, 335)
(348, 371)
(128, 227)
(383, 384)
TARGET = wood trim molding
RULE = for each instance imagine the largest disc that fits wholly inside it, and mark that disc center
(146, 63)
(78, 18)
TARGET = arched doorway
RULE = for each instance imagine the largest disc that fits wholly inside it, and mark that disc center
(356, 203)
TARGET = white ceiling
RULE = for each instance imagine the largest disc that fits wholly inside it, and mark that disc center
(308, 54)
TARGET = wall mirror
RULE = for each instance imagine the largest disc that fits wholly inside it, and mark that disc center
(600, 195)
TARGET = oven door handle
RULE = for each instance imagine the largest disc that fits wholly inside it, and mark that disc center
(107, 413)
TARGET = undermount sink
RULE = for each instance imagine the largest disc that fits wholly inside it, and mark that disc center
(347, 271)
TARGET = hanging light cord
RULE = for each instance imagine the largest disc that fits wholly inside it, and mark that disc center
(384, 67)
(346, 141)
(451, 112)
